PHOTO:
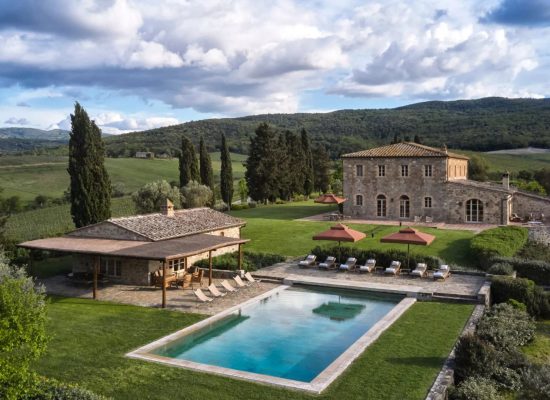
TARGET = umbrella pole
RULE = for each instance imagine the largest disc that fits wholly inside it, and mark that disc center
(408, 256)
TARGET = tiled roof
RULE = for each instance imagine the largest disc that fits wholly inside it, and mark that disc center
(482, 185)
(184, 223)
(404, 149)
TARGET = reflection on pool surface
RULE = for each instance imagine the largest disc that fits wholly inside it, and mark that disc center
(294, 334)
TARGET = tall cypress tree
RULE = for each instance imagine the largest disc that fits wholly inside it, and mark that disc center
(90, 185)
(321, 168)
(206, 173)
(261, 174)
(226, 174)
(284, 169)
(189, 170)
(308, 163)
(296, 163)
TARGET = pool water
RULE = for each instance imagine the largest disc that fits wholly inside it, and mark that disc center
(294, 334)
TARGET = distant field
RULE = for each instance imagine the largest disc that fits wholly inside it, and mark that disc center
(30, 176)
(513, 162)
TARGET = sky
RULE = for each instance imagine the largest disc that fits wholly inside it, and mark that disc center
(140, 64)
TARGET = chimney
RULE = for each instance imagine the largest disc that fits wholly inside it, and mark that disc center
(167, 208)
(444, 148)
(506, 180)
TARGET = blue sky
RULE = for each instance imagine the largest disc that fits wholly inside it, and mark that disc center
(137, 64)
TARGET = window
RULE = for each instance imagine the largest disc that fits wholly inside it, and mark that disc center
(381, 170)
(427, 170)
(427, 202)
(359, 170)
(110, 267)
(404, 207)
(177, 264)
(404, 170)
(474, 210)
(381, 205)
(359, 200)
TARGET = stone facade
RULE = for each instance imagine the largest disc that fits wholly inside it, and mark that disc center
(410, 182)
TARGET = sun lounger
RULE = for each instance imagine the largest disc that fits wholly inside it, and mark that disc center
(215, 292)
(443, 272)
(349, 265)
(369, 266)
(251, 279)
(394, 268)
(329, 263)
(309, 261)
(239, 281)
(201, 296)
(420, 271)
(227, 286)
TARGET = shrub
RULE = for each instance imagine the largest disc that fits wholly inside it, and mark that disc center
(474, 357)
(523, 290)
(236, 207)
(501, 241)
(252, 204)
(382, 257)
(475, 388)
(536, 270)
(251, 261)
(196, 195)
(536, 383)
(501, 269)
(152, 196)
(535, 251)
(506, 327)
(50, 389)
(517, 305)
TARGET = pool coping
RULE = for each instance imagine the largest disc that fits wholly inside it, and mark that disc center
(317, 385)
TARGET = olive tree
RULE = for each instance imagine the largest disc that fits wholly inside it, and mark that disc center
(153, 195)
(22, 329)
(196, 195)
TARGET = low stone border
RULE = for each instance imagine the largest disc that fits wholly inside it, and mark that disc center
(445, 378)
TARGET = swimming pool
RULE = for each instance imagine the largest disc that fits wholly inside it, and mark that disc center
(290, 335)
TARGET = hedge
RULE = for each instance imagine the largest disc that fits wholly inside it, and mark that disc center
(537, 271)
(51, 389)
(382, 257)
(501, 241)
(523, 290)
(251, 261)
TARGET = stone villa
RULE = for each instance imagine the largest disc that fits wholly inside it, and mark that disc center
(412, 182)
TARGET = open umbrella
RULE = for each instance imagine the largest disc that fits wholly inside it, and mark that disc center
(340, 233)
(409, 236)
(329, 198)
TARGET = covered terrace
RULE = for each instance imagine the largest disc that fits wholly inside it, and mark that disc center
(163, 251)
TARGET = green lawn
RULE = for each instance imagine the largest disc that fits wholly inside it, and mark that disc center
(30, 176)
(539, 350)
(89, 340)
(273, 230)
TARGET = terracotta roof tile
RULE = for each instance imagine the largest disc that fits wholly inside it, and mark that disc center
(403, 149)
(184, 223)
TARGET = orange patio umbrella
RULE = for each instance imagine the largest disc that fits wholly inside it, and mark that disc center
(340, 233)
(409, 236)
(329, 198)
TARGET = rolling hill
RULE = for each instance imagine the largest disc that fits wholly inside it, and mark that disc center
(481, 125)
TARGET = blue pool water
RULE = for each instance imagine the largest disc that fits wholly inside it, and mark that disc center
(294, 334)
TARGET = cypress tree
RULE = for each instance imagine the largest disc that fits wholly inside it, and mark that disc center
(189, 170)
(261, 165)
(206, 173)
(296, 163)
(321, 167)
(417, 139)
(90, 186)
(308, 163)
(284, 169)
(226, 174)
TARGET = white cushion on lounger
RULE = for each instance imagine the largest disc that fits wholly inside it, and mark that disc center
(371, 261)
(444, 267)
(391, 269)
(417, 272)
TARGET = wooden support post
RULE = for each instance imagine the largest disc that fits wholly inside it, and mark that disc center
(164, 284)
(209, 267)
(240, 261)
(95, 268)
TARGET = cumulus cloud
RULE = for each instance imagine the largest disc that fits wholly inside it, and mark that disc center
(17, 121)
(248, 57)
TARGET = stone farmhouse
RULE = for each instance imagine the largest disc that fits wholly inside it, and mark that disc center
(412, 182)
(128, 250)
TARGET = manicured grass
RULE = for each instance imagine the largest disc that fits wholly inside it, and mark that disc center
(49, 174)
(89, 340)
(539, 350)
(272, 230)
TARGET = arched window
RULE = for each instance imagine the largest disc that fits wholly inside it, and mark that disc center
(359, 200)
(404, 207)
(474, 210)
(381, 205)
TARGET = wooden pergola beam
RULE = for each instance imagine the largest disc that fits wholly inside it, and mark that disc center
(95, 268)
(209, 267)
(240, 260)
(164, 284)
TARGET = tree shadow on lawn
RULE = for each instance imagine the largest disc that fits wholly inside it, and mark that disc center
(458, 252)
(429, 362)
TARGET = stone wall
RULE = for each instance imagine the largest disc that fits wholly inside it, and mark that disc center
(106, 230)
(525, 204)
